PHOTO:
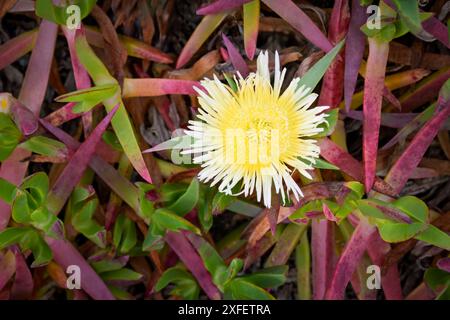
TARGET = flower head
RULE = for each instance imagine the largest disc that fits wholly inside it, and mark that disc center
(255, 137)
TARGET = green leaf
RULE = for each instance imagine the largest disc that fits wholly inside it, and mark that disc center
(125, 235)
(110, 138)
(436, 237)
(41, 251)
(20, 209)
(166, 219)
(367, 209)
(311, 206)
(60, 15)
(271, 277)
(154, 239)
(409, 13)
(83, 222)
(121, 274)
(88, 98)
(44, 146)
(204, 213)
(233, 269)
(211, 258)
(37, 185)
(413, 207)
(107, 265)
(188, 200)
(120, 122)
(43, 220)
(7, 191)
(439, 281)
(145, 205)
(245, 208)
(313, 76)
(244, 290)
(320, 164)
(330, 124)
(9, 136)
(220, 202)
(231, 82)
(12, 236)
(398, 232)
(185, 284)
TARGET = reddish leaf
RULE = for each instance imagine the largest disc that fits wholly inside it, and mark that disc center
(295, 16)
(186, 252)
(157, 87)
(199, 36)
(17, 47)
(373, 91)
(8, 267)
(349, 260)
(354, 51)
(221, 6)
(322, 250)
(22, 287)
(32, 96)
(400, 172)
(251, 27)
(74, 170)
(66, 255)
(235, 57)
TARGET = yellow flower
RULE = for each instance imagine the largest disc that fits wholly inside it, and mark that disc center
(257, 135)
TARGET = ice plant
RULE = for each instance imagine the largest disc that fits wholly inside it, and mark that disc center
(256, 135)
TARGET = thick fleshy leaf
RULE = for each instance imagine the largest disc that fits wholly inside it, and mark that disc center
(251, 27)
(332, 89)
(32, 93)
(425, 91)
(409, 12)
(397, 232)
(166, 219)
(316, 72)
(199, 36)
(9, 136)
(221, 6)
(435, 236)
(8, 267)
(44, 146)
(401, 170)
(17, 47)
(354, 51)
(157, 87)
(373, 93)
(186, 202)
(342, 159)
(120, 185)
(134, 48)
(235, 57)
(74, 170)
(245, 290)
(413, 207)
(349, 260)
(188, 255)
(295, 16)
(66, 255)
(88, 98)
(186, 286)
(270, 277)
(121, 122)
(285, 246)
